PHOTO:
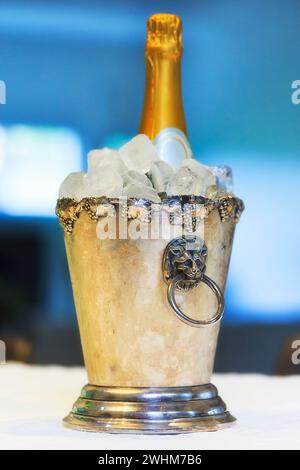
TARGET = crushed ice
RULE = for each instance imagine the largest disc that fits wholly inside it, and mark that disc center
(136, 171)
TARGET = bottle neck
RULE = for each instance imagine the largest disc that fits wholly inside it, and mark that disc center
(163, 107)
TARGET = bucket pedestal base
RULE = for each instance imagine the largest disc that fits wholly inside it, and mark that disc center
(154, 410)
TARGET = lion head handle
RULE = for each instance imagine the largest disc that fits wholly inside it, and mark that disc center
(187, 256)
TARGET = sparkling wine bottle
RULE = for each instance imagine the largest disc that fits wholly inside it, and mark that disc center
(163, 116)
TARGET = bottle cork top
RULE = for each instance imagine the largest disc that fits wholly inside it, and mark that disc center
(164, 32)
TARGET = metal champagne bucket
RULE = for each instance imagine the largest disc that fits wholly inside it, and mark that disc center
(149, 312)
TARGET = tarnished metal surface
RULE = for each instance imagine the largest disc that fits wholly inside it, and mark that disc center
(154, 410)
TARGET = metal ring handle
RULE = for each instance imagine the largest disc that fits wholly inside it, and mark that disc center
(190, 321)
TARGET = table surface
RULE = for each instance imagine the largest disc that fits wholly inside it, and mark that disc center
(34, 399)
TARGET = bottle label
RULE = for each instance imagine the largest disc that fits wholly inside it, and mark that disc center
(172, 146)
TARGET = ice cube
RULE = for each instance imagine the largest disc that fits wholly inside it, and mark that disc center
(223, 174)
(73, 186)
(139, 153)
(214, 192)
(204, 173)
(184, 182)
(105, 157)
(140, 191)
(135, 177)
(161, 173)
(105, 181)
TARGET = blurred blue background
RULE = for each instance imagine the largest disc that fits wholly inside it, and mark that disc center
(74, 74)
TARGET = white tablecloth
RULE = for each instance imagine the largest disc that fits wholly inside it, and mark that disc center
(33, 401)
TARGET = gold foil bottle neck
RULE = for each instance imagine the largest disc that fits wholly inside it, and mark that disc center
(163, 108)
(164, 33)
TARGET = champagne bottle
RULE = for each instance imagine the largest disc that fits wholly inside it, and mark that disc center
(163, 116)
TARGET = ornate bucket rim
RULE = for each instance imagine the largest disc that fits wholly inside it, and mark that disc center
(68, 210)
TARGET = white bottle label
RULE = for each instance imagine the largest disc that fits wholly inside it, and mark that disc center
(172, 146)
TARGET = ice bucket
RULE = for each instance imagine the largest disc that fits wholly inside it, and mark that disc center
(149, 311)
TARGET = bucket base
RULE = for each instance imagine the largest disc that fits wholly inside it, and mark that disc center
(155, 410)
